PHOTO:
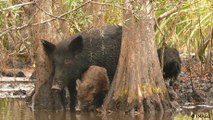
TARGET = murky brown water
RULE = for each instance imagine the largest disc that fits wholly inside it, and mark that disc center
(16, 109)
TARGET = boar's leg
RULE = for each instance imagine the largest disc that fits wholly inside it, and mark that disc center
(73, 94)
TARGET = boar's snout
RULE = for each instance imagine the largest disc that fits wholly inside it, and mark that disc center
(57, 85)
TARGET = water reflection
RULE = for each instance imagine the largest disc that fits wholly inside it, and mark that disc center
(16, 109)
(47, 115)
(13, 109)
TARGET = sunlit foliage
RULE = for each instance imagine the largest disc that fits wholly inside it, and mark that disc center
(186, 28)
(189, 25)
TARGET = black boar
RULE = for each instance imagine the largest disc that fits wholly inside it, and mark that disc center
(73, 56)
(171, 62)
(92, 88)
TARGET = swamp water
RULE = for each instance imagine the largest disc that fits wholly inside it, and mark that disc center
(16, 109)
(12, 107)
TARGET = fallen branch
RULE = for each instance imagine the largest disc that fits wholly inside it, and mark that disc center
(54, 17)
(18, 5)
(157, 26)
(168, 13)
(51, 15)
(109, 4)
(46, 21)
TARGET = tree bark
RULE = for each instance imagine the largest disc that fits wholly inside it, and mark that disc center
(53, 31)
(97, 13)
(138, 82)
(27, 33)
(98, 16)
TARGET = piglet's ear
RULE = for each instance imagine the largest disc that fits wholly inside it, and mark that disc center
(48, 47)
(76, 45)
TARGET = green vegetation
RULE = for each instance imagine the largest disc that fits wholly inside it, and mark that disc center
(187, 26)
(79, 19)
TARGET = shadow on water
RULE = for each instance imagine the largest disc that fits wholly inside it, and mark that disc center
(16, 109)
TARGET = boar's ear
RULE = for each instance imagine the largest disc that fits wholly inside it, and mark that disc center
(48, 47)
(76, 45)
